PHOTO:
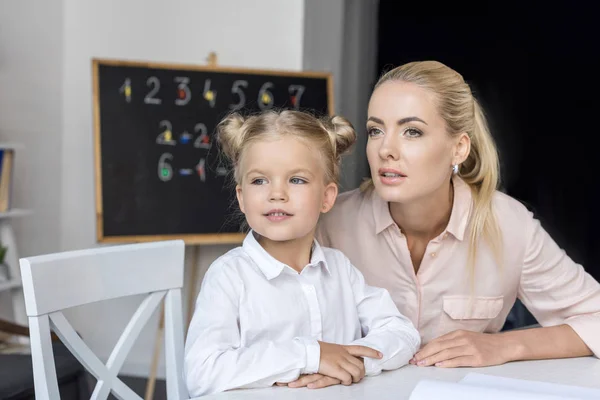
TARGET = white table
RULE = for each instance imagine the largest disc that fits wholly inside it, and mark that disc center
(398, 384)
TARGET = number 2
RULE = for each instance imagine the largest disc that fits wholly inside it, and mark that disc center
(202, 141)
(155, 83)
(166, 137)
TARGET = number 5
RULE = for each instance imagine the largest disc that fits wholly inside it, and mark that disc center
(235, 89)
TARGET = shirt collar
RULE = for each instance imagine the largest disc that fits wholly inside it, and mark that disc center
(381, 212)
(459, 218)
(461, 208)
(271, 267)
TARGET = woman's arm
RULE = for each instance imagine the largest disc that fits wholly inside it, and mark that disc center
(558, 292)
(472, 349)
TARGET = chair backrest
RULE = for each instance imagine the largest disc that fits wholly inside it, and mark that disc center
(55, 282)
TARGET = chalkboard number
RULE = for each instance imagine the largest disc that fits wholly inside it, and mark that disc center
(126, 89)
(209, 95)
(165, 170)
(296, 92)
(154, 85)
(184, 94)
(201, 170)
(237, 89)
(203, 140)
(265, 98)
(166, 136)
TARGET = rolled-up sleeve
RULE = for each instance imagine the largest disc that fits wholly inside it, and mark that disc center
(557, 290)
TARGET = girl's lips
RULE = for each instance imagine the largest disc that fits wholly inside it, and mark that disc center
(278, 215)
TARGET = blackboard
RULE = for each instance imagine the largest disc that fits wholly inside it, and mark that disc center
(158, 174)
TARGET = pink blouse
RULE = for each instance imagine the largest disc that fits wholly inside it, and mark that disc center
(437, 299)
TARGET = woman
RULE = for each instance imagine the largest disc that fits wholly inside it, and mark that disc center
(455, 253)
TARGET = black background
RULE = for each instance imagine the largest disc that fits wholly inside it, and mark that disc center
(536, 73)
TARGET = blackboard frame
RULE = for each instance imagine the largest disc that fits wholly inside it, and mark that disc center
(190, 239)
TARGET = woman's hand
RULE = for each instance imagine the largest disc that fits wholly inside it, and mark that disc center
(464, 349)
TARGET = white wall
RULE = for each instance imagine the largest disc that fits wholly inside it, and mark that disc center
(258, 34)
(46, 48)
(31, 70)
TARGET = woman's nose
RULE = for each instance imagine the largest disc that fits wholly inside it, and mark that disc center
(389, 149)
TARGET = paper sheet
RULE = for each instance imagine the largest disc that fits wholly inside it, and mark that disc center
(499, 382)
(479, 386)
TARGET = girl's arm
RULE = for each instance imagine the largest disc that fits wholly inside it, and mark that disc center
(216, 360)
(383, 327)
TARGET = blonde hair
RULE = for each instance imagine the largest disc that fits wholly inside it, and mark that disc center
(331, 136)
(462, 113)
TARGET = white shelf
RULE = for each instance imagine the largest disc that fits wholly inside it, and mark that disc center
(14, 212)
(13, 284)
(11, 146)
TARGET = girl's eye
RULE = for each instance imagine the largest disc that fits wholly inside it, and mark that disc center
(298, 181)
(412, 132)
(258, 181)
(372, 132)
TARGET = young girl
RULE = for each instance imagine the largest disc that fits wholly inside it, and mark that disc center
(282, 309)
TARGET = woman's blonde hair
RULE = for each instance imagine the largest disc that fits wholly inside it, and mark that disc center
(331, 136)
(462, 113)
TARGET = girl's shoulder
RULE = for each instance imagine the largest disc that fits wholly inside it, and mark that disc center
(227, 266)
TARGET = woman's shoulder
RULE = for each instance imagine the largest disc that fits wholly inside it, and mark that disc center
(509, 207)
(513, 217)
(348, 204)
(351, 211)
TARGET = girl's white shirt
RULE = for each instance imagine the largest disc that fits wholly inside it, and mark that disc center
(257, 321)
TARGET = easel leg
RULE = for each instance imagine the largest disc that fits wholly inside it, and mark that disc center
(150, 385)
(193, 285)
(159, 335)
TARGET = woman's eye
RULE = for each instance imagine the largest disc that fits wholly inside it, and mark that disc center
(412, 132)
(297, 181)
(258, 181)
(374, 132)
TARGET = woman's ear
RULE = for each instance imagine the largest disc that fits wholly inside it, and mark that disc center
(329, 196)
(462, 148)
(240, 197)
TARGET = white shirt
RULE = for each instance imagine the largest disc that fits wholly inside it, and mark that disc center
(257, 321)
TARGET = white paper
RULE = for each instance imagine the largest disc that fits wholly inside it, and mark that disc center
(499, 382)
(479, 386)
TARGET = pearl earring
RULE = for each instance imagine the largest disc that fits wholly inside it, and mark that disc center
(455, 169)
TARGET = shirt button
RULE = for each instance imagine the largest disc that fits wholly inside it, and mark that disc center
(446, 235)
(433, 254)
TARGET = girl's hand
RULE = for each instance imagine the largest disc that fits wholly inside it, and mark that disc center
(344, 363)
(312, 381)
(463, 349)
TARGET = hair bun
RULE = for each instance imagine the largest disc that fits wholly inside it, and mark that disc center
(341, 133)
(229, 136)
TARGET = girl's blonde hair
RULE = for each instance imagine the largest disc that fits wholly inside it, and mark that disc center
(331, 136)
(462, 113)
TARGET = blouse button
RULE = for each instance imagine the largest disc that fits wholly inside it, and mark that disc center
(433, 254)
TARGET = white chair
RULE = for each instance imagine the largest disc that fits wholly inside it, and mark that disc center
(55, 282)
